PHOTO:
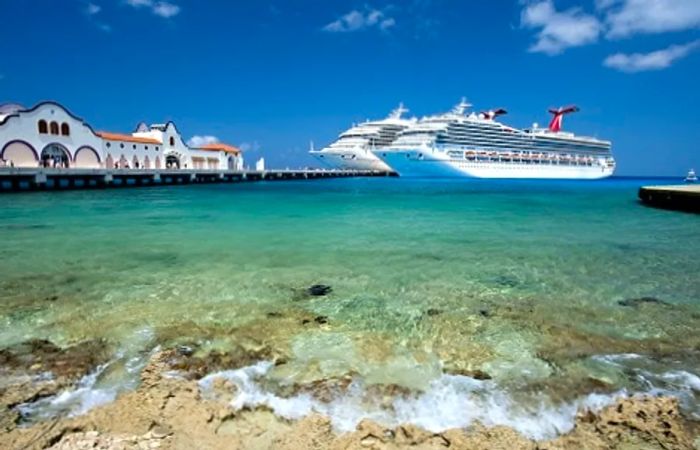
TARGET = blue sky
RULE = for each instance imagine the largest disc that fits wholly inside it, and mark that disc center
(272, 76)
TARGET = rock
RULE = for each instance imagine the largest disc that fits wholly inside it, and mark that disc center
(433, 312)
(321, 320)
(274, 314)
(319, 290)
(635, 302)
(160, 432)
(484, 313)
(184, 350)
(476, 373)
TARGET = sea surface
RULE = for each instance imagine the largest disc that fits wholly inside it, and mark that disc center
(507, 302)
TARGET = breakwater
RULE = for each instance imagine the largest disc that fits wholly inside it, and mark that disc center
(28, 179)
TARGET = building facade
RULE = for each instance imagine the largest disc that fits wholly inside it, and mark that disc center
(48, 135)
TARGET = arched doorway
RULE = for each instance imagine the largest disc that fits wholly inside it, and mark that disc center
(172, 162)
(157, 162)
(87, 158)
(146, 162)
(55, 155)
(135, 162)
(109, 162)
(123, 163)
(232, 163)
(19, 154)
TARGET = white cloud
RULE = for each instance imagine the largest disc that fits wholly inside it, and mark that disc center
(249, 146)
(166, 9)
(198, 141)
(92, 9)
(139, 3)
(657, 60)
(360, 20)
(559, 30)
(163, 9)
(626, 17)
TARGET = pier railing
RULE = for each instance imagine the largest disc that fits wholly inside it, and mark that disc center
(18, 179)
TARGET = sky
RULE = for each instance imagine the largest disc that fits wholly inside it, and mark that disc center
(273, 76)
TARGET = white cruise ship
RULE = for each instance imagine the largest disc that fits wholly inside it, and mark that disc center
(461, 144)
(354, 148)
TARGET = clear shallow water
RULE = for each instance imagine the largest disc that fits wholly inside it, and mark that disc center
(522, 278)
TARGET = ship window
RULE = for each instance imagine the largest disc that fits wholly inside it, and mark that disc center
(133, 146)
(121, 145)
(65, 129)
(172, 141)
(54, 128)
(43, 127)
(109, 144)
(146, 147)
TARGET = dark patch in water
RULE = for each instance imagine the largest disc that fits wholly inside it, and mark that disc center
(485, 313)
(30, 226)
(506, 281)
(319, 290)
(274, 315)
(165, 258)
(635, 302)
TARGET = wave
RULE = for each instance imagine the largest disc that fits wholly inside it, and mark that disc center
(451, 401)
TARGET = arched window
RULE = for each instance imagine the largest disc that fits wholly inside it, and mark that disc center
(43, 127)
(65, 129)
(54, 128)
(172, 141)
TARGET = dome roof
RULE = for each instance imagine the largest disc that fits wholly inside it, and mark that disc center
(10, 108)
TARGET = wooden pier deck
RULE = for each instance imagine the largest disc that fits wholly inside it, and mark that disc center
(681, 197)
(29, 179)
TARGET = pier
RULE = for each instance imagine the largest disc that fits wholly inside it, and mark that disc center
(39, 179)
(680, 198)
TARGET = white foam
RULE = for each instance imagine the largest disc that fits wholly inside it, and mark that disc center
(73, 402)
(451, 401)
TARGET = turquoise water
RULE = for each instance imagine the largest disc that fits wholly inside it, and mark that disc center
(522, 279)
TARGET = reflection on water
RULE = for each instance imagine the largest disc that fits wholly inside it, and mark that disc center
(520, 281)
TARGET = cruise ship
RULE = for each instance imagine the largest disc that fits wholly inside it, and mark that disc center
(354, 148)
(468, 144)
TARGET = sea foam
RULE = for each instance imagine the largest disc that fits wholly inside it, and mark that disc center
(451, 401)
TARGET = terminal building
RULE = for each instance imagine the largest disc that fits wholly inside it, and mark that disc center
(48, 135)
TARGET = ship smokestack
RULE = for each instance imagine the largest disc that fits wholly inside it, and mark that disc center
(556, 124)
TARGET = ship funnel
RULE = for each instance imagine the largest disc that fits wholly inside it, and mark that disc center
(462, 106)
(558, 114)
(398, 112)
(492, 114)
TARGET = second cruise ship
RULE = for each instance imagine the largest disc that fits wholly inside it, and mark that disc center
(461, 144)
(354, 148)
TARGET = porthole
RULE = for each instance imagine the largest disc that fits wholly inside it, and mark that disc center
(109, 144)
(121, 145)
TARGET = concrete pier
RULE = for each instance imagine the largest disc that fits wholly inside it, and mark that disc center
(29, 179)
(682, 197)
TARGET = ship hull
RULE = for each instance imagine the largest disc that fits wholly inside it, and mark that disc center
(416, 163)
(350, 160)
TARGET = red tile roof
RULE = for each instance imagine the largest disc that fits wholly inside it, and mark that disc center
(220, 147)
(127, 138)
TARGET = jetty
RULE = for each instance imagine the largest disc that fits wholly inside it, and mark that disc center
(681, 197)
(22, 179)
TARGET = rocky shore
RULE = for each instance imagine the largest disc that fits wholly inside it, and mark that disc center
(172, 412)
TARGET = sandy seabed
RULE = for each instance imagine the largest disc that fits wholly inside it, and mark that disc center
(172, 413)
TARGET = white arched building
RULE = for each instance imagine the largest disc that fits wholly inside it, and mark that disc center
(48, 135)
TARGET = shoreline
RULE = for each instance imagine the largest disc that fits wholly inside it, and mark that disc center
(174, 411)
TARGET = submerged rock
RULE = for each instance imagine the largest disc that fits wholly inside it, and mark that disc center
(319, 290)
(635, 302)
